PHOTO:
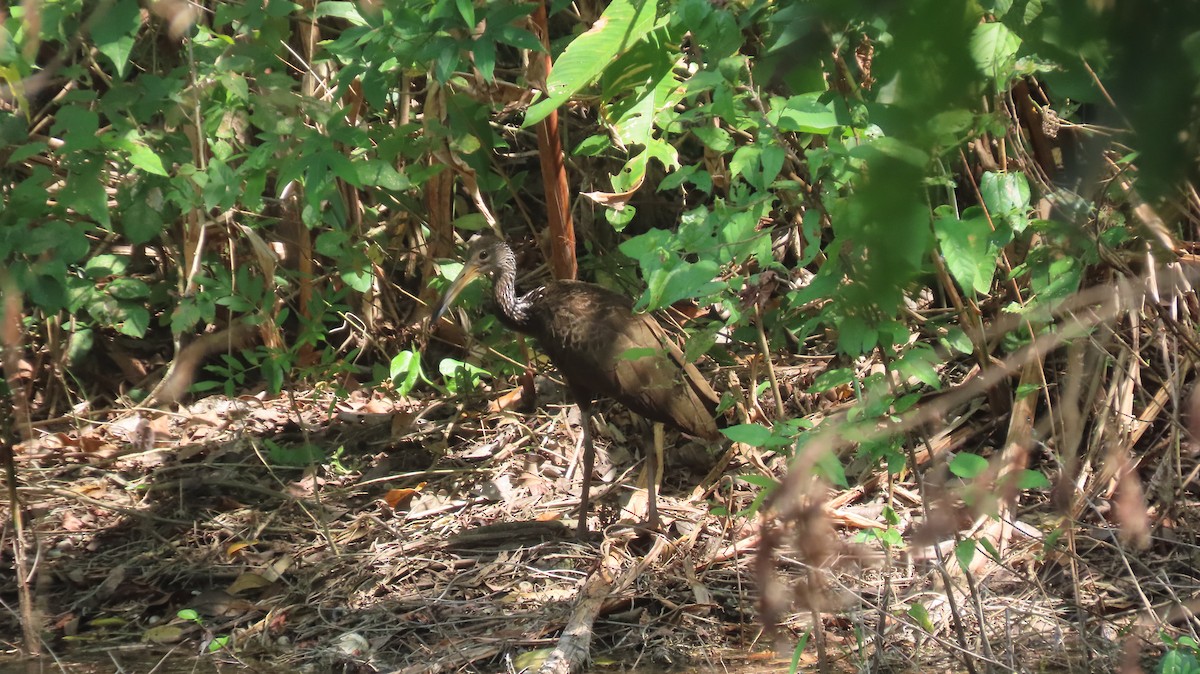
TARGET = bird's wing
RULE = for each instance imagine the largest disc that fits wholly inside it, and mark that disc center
(697, 381)
(602, 348)
(663, 381)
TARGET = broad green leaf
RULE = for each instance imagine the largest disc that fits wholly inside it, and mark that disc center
(78, 125)
(714, 138)
(749, 434)
(127, 288)
(680, 280)
(460, 377)
(994, 49)
(637, 353)
(141, 156)
(760, 481)
(1032, 479)
(746, 164)
(951, 124)
(115, 30)
(968, 466)
(803, 114)
(484, 52)
(293, 455)
(106, 264)
(405, 371)
(332, 243)
(622, 24)
(84, 192)
(592, 146)
(136, 322)
(360, 279)
(831, 379)
(46, 288)
(830, 467)
(347, 11)
(635, 118)
(1055, 282)
(1007, 198)
(919, 613)
(964, 552)
(970, 254)
(80, 345)
(772, 159)
(466, 9)
(382, 174)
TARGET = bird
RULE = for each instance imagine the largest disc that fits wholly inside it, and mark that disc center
(602, 347)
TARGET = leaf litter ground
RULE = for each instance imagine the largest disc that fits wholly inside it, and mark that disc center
(366, 534)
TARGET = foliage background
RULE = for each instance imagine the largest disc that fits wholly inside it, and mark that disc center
(155, 155)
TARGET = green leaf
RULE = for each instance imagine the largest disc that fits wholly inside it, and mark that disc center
(484, 50)
(829, 466)
(831, 379)
(749, 434)
(460, 377)
(622, 24)
(382, 174)
(919, 613)
(994, 49)
(760, 481)
(80, 345)
(1032, 479)
(466, 9)
(141, 222)
(970, 254)
(115, 30)
(332, 243)
(592, 146)
(405, 371)
(746, 164)
(804, 114)
(964, 552)
(141, 156)
(772, 159)
(680, 280)
(1007, 198)
(347, 11)
(968, 466)
(78, 125)
(127, 288)
(136, 323)
(84, 192)
(956, 338)
(299, 455)
(714, 138)
(359, 279)
(637, 353)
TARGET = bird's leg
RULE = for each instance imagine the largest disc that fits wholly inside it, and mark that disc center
(654, 477)
(589, 459)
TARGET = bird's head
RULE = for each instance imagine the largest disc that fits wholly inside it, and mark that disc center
(486, 256)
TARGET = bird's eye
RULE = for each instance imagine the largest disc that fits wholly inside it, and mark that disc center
(483, 255)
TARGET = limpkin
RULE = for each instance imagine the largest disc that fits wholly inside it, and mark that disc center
(601, 347)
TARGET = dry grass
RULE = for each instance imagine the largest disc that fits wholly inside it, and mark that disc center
(475, 570)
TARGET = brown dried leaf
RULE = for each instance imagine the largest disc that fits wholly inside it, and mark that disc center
(163, 634)
(398, 498)
(237, 546)
(511, 400)
(247, 582)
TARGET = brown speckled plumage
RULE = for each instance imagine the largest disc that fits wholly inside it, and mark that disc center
(601, 347)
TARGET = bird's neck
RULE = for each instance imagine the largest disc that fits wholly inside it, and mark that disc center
(514, 308)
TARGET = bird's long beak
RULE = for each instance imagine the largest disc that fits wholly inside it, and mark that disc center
(468, 274)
